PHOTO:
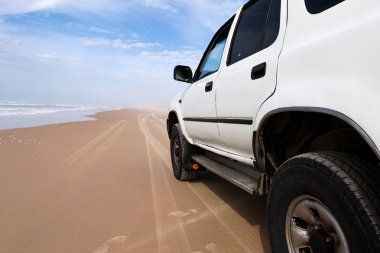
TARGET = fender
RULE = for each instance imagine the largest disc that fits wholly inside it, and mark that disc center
(181, 123)
(341, 116)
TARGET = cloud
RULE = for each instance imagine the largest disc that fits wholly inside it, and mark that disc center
(170, 58)
(210, 8)
(26, 6)
(97, 56)
(161, 4)
(209, 13)
(98, 30)
(117, 43)
(70, 72)
(26, 49)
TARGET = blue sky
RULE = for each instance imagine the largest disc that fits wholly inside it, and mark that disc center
(102, 52)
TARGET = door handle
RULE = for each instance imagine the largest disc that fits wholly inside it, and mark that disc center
(259, 71)
(208, 87)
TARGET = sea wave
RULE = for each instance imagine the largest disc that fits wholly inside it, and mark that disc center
(8, 108)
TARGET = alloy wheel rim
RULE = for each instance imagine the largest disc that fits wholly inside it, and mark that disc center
(312, 227)
(176, 152)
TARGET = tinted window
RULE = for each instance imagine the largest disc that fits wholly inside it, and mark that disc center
(317, 6)
(248, 37)
(212, 61)
(273, 23)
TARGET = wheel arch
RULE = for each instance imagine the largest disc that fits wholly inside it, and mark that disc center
(171, 120)
(311, 127)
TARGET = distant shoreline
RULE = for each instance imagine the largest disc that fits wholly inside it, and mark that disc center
(25, 121)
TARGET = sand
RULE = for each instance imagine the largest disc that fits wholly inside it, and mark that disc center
(106, 186)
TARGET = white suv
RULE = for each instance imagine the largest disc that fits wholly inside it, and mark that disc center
(285, 102)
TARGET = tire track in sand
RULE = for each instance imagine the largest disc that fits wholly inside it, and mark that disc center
(80, 161)
(162, 151)
(79, 153)
(171, 235)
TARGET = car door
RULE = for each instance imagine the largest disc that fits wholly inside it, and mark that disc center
(249, 76)
(198, 102)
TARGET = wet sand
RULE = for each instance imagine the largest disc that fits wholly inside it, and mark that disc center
(106, 186)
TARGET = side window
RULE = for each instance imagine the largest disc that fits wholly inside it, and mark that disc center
(273, 23)
(257, 29)
(317, 6)
(211, 62)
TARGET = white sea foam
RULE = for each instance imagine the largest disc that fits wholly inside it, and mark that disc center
(8, 108)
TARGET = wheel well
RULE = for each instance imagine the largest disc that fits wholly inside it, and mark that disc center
(172, 119)
(287, 134)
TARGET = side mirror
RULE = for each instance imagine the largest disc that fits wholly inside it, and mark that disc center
(183, 74)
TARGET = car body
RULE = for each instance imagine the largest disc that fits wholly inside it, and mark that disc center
(310, 85)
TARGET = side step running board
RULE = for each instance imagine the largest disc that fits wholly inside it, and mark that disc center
(250, 182)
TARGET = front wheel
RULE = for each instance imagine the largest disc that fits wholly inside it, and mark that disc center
(324, 202)
(181, 151)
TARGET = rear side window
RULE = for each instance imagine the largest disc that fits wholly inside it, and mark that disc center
(257, 29)
(317, 6)
(273, 23)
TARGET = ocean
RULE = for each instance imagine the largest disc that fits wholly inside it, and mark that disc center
(21, 114)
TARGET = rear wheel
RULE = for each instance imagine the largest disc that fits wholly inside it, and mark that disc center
(325, 202)
(181, 151)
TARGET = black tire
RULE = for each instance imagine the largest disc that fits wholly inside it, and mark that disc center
(341, 183)
(181, 151)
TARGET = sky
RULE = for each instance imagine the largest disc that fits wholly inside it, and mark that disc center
(103, 52)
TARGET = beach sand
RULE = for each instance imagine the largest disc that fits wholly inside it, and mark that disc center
(106, 186)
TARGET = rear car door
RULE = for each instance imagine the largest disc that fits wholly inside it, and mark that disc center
(250, 74)
(198, 101)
